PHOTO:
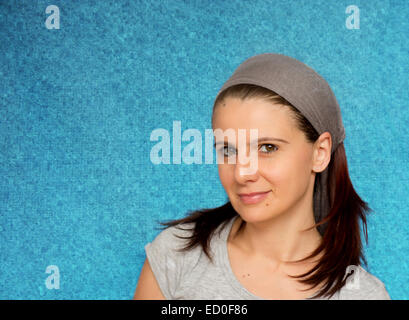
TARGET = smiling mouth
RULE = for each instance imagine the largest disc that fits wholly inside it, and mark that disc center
(252, 198)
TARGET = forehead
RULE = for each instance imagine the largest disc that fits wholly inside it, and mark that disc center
(259, 114)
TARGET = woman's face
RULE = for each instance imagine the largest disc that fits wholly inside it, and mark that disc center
(284, 169)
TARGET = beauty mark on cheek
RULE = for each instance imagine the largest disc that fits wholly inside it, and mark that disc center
(267, 204)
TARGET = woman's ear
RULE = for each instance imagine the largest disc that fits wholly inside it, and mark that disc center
(322, 152)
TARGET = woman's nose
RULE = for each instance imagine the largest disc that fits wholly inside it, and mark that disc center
(246, 169)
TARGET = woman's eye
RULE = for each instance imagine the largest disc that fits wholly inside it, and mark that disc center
(269, 149)
(228, 151)
(224, 149)
(231, 151)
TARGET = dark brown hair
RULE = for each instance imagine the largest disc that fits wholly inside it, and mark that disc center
(341, 245)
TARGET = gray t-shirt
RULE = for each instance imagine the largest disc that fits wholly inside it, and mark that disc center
(190, 275)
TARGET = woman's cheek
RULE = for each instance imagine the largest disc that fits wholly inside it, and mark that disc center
(279, 178)
(226, 175)
(273, 172)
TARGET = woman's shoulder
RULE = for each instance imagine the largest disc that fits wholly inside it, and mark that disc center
(174, 237)
(168, 262)
(362, 285)
(178, 236)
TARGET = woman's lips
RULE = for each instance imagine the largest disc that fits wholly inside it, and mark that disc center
(254, 198)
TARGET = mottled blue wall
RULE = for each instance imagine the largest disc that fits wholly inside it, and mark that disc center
(78, 104)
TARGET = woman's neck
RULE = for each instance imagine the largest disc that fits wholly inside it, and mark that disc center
(278, 239)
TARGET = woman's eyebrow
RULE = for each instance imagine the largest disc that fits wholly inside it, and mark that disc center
(262, 139)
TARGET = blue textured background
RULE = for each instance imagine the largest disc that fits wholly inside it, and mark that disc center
(77, 106)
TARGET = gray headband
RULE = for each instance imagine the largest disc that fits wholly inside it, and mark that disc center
(308, 92)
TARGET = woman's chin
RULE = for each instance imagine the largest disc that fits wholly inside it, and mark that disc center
(254, 215)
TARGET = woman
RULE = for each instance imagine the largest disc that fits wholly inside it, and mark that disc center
(290, 229)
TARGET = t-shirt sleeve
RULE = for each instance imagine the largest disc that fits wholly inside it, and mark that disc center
(368, 287)
(374, 287)
(165, 261)
(381, 293)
